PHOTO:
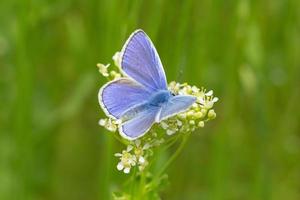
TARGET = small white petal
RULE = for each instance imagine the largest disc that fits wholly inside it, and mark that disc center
(102, 122)
(195, 89)
(134, 159)
(164, 125)
(141, 160)
(146, 146)
(179, 123)
(209, 104)
(129, 148)
(118, 154)
(126, 170)
(170, 132)
(209, 93)
(120, 166)
(202, 101)
(137, 142)
(215, 99)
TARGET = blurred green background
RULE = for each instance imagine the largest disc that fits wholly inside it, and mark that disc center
(248, 52)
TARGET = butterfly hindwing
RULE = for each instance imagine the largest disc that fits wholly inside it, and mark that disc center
(120, 95)
(176, 104)
(141, 62)
(140, 124)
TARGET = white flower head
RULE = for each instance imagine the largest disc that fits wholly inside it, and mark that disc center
(127, 160)
(174, 87)
(108, 123)
(195, 117)
(207, 100)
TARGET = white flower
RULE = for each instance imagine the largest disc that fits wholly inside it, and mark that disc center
(171, 125)
(103, 69)
(207, 101)
(196, 116)
(174, 87)
(141, 153)
(110, 124)
(127, 160)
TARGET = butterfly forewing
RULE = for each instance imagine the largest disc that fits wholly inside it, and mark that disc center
(141, 62)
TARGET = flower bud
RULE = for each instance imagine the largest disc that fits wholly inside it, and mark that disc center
(211, 114)
(201, 124)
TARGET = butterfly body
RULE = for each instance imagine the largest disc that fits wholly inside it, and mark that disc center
(142, 97)
(159, 98)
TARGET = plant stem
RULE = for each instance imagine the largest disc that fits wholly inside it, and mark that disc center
(133, 185)
(141, 186)
(171, 159)
(177, 152)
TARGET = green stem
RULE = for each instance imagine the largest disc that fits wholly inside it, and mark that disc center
(167, 145)
(141, 186)
(119, 139)
(177, 152)
(170, 142)
(132, 196)
(171, 159)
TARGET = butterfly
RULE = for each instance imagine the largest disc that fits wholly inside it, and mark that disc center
(141, 98)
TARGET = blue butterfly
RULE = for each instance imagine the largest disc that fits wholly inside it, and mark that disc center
(141, 98)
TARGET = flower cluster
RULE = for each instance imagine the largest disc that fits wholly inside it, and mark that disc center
(138, 151)
(196, 116)
(136, 154)
(110, 124)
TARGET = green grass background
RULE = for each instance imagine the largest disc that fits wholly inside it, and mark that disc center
(248, 52)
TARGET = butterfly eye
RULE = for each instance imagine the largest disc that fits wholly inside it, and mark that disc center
(173, 94)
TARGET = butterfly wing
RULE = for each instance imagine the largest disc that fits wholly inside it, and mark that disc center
(175, 105)
(140, 124)
(141, 62)
(118, 96)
